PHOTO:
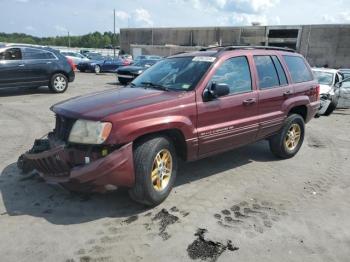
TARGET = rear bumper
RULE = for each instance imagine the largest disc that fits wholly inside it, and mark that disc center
(71, 76)
(57, 166)
(312, 110)
(84, 67)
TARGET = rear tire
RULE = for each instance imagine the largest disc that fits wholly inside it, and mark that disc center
(58, 83)
(288, 141)
(153, 182)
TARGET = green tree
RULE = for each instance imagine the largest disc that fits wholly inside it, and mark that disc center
(93, 40)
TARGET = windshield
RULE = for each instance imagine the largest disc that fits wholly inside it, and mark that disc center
(94, 56)
(145, 62)
(324, 78)
(346, 75)
(181, 73)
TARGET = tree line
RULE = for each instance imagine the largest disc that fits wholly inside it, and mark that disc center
(91, 40)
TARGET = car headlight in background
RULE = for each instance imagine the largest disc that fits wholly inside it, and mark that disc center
(89, 132)
(139, 72)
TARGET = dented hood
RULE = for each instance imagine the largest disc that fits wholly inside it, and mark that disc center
(97, 106)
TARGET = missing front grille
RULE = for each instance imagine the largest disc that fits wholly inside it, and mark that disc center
(63, 127)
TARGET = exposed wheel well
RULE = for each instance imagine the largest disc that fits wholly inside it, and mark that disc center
(174, 135)
(59, 72)
(300, 110)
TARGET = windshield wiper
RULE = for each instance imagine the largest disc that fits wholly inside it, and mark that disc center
(156, 86)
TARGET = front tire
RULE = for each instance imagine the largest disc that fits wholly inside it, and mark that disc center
(332, 106)
(155, 164)
(97, 69)
(288, 141)
(58, 83)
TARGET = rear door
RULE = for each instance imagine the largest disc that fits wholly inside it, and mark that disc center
(228, 121)
(12, 68)
(274, 90)
(38, 64)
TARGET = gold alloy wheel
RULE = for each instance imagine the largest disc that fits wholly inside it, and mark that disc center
(292, 138)
(161, 170)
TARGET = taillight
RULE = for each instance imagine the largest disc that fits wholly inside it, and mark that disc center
(317, 92)
(71, 63)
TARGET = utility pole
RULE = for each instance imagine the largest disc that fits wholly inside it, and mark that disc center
(114, 36)
(68, 40)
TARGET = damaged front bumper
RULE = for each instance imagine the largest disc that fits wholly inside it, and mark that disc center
(325, 101)
(80, 170)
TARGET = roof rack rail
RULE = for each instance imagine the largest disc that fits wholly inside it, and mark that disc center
(247, 47)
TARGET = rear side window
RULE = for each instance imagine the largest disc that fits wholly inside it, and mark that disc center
(35, 54)
(281, 74)
(298, 69)
(235, 73)
(11, 54)
(266, 72)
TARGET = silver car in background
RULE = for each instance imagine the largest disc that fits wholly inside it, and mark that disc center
(75, 56)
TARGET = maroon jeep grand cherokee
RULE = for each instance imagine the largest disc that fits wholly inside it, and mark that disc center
(188, 106)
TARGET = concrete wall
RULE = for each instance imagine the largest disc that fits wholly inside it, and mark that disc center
(162, 50)
(320, 44)
(326, 45)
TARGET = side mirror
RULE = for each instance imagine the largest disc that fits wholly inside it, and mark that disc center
(215, 90)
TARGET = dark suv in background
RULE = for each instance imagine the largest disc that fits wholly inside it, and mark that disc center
(34, 66)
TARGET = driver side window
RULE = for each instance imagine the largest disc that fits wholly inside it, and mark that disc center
(11, 54)
(235, 73)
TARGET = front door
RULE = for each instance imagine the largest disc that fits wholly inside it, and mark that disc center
(228, 121)
(12, 68)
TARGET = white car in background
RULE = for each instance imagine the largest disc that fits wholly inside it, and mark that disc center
(329, 80)
(75, 56)
(344, 99)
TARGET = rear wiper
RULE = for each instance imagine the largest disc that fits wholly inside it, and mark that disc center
(156, 86)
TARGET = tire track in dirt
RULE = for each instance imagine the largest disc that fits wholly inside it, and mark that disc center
(115, 235)
(319, 187)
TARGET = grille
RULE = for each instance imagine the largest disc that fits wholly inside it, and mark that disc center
(63, 127)
(124, 72)
(55, 165)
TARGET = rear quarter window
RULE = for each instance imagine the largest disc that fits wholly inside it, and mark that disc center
(298, 69)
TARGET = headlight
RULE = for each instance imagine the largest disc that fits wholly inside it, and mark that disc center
(139, 72)
(89, 132)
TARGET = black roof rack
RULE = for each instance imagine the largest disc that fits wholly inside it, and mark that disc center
(247, 47)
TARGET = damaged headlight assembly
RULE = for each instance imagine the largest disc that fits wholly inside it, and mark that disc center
(89, 132)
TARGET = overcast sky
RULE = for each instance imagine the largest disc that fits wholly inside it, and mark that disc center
(53, 17)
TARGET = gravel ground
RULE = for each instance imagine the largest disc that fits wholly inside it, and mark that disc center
(244, 205)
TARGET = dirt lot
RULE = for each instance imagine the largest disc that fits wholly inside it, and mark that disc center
(243, 205)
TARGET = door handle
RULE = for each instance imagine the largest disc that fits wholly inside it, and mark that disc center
(249, 101)
(21, 65)
(288, 93)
